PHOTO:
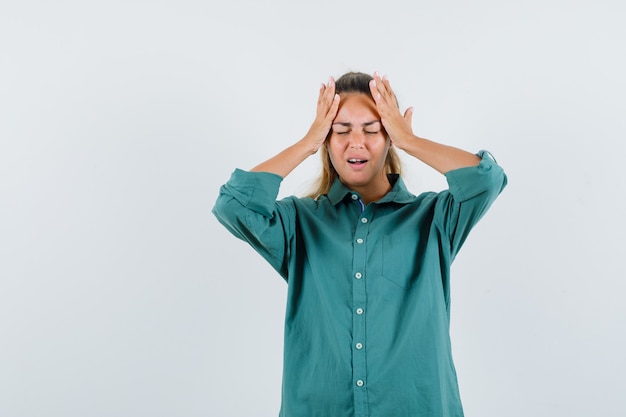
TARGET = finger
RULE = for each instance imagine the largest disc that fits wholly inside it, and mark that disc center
(325, 98)
(374, 91)
(386, 84)
(333, 109)
(377, 86)
(388, 91)
(383, 94)
(382, 83)
(329, 92)
(320, 97)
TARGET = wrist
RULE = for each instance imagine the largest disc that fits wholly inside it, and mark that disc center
(406, 142)
(307, 146)
(310, 144)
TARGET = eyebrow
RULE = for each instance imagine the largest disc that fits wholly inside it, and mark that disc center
(348, 124)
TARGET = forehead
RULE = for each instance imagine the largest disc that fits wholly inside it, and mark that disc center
(356, 107)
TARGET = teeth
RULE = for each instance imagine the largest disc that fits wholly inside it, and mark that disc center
(356, 160)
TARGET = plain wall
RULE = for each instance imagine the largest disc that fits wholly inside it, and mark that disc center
(121, 295)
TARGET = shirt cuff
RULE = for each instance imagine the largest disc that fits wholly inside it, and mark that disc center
(468, 182)
(256, 191)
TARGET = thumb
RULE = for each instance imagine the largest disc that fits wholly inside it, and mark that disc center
(408, 116)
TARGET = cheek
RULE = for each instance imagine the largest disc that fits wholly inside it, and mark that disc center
(381, 144)
(331, 151)
(335, 146)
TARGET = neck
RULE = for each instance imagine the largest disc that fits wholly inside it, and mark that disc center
(374, 191)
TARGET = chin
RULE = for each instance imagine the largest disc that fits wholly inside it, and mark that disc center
(355, 182)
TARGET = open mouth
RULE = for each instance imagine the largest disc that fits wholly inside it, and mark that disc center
(354, 161)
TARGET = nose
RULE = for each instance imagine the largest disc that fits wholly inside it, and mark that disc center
(357, 139)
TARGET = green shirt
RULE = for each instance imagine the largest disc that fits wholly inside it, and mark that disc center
(368, 305)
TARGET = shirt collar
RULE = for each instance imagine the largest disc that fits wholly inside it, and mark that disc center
(397, 194)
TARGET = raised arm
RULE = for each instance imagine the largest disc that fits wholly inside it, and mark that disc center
(441, 157)
(285, 162)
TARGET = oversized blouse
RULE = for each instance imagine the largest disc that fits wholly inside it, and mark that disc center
(367, 321)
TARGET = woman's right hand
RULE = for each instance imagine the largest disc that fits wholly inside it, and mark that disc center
(327, 107)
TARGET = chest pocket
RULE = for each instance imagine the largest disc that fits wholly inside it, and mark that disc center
(401, 259)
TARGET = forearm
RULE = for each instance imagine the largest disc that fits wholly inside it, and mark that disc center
(287, 160)
(441, 157)
(247, 207)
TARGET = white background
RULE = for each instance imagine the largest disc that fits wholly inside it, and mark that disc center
(121, 295)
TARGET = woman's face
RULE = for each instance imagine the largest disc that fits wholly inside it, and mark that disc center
(358, 145)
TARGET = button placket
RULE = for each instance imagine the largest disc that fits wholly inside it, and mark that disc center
(359, 300)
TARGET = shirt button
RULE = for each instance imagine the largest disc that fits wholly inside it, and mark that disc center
(360, 383)
(363, 220)
(359, 311)
(355, 197)
(358, 275)
(359, 346)
(359, 241)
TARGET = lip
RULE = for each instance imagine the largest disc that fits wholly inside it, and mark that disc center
(357, 166)
(357, 157)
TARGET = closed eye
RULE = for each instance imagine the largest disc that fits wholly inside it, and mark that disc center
(372, 128)
(341, 130)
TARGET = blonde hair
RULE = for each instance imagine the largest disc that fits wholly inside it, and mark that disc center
(321, 186)
(351, 82)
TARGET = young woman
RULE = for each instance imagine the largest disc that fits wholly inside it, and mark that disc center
(366, 262)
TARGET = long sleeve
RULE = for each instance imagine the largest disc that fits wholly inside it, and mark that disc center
(471, 192)
(247, 207)
(367, 314)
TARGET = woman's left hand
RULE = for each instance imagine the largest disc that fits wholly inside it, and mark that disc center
(398, 126)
